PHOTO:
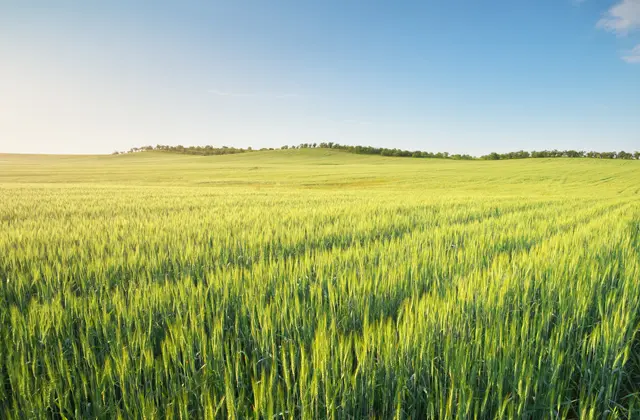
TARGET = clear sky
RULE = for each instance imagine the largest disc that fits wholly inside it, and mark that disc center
(460, 76)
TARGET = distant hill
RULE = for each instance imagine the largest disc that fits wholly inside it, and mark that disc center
(329, 169)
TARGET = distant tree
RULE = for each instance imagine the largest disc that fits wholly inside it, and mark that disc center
(492, 156)
(573, 154)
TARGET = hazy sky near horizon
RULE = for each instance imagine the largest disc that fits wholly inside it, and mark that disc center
(458, 76)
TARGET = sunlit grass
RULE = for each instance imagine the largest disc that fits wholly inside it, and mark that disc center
(320, 284)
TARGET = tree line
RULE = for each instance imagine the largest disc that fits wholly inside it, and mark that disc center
(382, 151)
(189, 150)
(562, 153)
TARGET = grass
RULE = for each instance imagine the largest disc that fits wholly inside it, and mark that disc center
(318, 284)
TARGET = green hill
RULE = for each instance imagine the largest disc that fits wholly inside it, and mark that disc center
(320, 284)
(322, 168)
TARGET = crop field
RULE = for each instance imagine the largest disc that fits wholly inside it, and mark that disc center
(318, 284)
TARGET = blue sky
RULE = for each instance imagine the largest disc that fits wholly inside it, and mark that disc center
(457, 76)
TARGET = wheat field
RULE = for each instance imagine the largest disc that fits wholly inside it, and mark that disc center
(318, 284)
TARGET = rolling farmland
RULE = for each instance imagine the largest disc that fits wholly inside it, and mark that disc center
(318, 284)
